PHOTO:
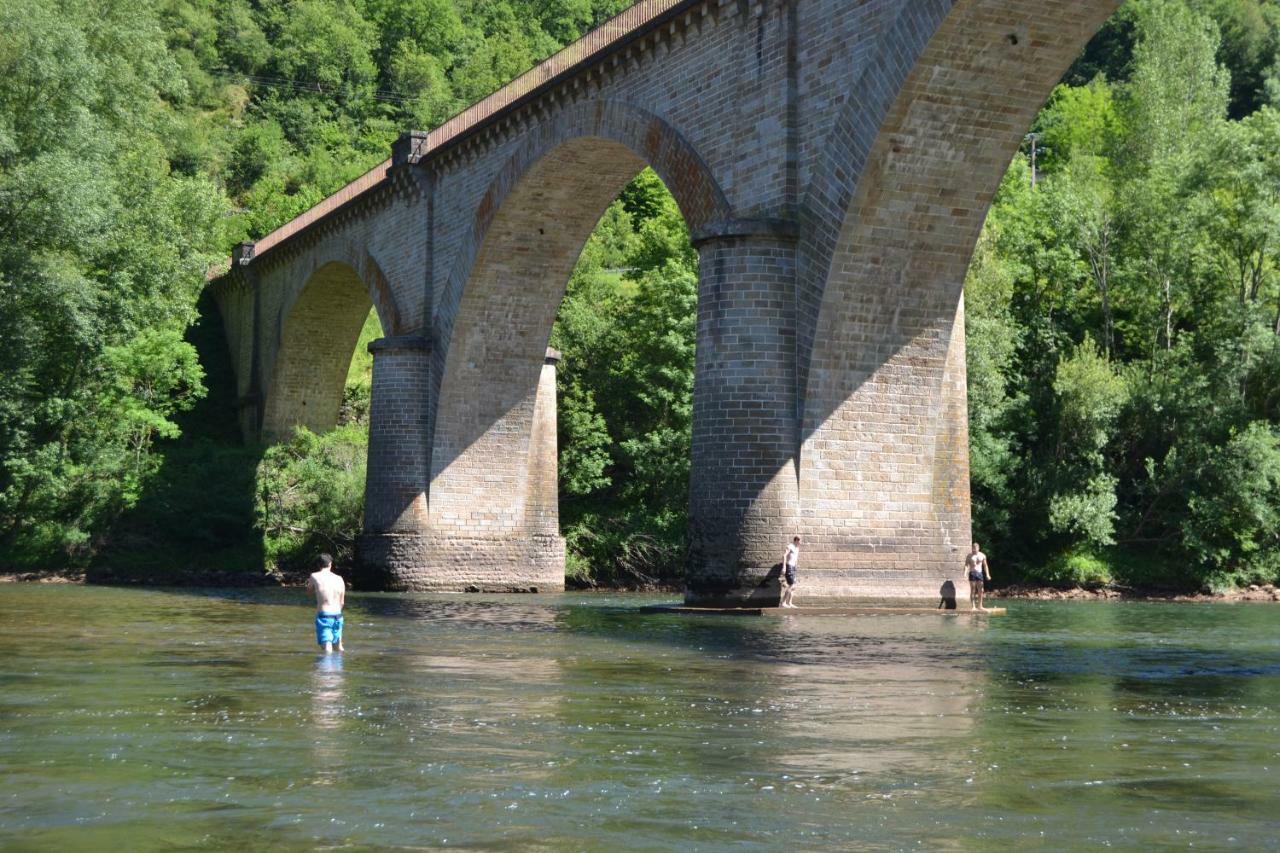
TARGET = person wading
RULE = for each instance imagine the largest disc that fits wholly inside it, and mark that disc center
(330, 591)
(789, 562)
(979, 573)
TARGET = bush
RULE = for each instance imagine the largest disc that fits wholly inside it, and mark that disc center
(1233, 521)
(634, 550)
(1074, 568)
(310, 496)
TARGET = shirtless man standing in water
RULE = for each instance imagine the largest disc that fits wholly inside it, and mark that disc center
(331, 593)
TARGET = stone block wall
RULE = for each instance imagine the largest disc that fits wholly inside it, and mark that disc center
(396, 479)
(835, 161)
(542, 506)
(744, 501)
(429, 562)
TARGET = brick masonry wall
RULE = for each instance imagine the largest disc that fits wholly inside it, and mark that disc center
(744, 498)
(497, 341)
(884, 461)
(542, 508)
(843, 156)
(433, 562)
(314, 353)
(395, 484)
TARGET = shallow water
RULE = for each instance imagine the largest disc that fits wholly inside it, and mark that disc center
(138, 720)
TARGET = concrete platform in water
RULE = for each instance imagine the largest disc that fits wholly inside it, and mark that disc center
(818, 611)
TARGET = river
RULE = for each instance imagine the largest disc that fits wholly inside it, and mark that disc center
(153, 719)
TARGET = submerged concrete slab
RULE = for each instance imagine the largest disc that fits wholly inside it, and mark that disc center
(818, 611)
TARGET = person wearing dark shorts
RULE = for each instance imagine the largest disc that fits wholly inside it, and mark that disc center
(789, 562)
(979, 573)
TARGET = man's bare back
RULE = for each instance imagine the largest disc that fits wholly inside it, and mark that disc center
(330, 591)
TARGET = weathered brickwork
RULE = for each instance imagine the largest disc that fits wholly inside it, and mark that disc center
(834, 161)
(430, 562)
(310, 370)
(395, 486)
(884, 462)
(744, 497)
(542, 506)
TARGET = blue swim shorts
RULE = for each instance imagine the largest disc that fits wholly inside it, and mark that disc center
(328, 628)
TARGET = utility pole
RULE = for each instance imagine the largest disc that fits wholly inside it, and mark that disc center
(1034, 139)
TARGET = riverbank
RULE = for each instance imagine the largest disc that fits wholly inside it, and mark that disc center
(1254, 592)
(97, 577)
(231, 578)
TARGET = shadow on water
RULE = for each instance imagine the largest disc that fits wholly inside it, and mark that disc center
(195, 518)
(1153, 648)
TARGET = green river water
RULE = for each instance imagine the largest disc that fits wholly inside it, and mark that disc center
(141, 720)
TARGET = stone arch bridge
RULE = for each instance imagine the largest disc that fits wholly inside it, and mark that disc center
(834, 159)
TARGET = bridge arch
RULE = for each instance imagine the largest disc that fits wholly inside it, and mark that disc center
(506, 287)
(315, 334)
(884, 475)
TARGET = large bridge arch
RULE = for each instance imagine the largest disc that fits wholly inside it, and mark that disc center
(884, 476)
(506, 287)
(860, 145)
(315, 334)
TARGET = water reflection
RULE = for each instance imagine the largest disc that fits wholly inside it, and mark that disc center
(328, 705)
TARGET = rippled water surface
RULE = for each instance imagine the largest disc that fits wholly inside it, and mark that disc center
(133, 720)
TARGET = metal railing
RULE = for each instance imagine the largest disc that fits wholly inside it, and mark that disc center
(356, 188)
(597, 42)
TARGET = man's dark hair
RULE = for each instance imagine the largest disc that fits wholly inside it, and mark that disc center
(797, 539)
(325, 561)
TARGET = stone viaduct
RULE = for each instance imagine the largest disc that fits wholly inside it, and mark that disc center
(834, 160)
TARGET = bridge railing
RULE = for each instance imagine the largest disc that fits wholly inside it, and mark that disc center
(358, 187)
(598, 41)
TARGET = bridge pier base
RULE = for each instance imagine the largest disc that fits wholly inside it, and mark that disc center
(395, 493)
(400, 550)
(433, 562)
(744, 493)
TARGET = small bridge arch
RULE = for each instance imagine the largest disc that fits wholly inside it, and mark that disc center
(314, 336)
(507, 285)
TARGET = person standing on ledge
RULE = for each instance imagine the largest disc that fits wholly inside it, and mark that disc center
(789, 561)
(979, 573)
(331, 594)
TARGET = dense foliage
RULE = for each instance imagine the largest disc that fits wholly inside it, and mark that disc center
(138, 141)
(1124, 314)
(290, 99)
(103, 249)
(627, 333)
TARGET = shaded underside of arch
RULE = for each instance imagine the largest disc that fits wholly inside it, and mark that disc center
(317, 337)
(498, 342)
(884, 458)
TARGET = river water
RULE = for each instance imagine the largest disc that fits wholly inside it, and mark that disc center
(138, 720)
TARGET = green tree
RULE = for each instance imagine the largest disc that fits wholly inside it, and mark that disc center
(1090, 397)
(104, 249)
